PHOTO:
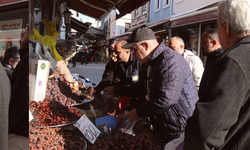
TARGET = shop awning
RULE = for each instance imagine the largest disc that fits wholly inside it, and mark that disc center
(79, 26)
(124, 36)
(10, 5)
(100, 9)
(206, 13)
(195, 19)
(131, 29)
(9, 2)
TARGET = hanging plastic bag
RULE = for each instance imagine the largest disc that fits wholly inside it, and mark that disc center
(48, 41)
(127, 127)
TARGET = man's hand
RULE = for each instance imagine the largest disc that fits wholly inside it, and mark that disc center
(117, 80)
(132, 115)
(120, 116)
(109, 89)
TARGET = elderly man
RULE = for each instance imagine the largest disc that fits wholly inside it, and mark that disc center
(210, 45)
(19, 101)
(122, 69)
(195, 63)
(166, 88)
(11, 59)
(222, 115)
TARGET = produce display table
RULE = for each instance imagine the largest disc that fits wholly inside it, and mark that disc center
(53, 126)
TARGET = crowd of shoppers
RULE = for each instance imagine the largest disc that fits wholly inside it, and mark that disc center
(165, 81)
(219, 117)
(166, 89)
(222, 115)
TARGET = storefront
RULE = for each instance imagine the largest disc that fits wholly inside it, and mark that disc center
(191, 28)
(161, 30)
(14, 15)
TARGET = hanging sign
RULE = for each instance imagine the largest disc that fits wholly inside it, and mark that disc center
(10, 34)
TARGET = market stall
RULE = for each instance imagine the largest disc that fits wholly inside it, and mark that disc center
(61, 118)
(63, 112)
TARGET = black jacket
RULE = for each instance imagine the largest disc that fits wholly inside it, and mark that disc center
(8, 68)
(19, 102)
(127, 74)
(222, 115)
(210, 63)
(172, 92)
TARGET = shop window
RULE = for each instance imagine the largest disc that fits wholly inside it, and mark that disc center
(157, 5)
(136, 13)
(165, 3)
(127, 25)
(190, 37)
(144, 9)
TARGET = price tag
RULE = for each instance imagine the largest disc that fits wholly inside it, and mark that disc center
(30, 116)
(88, 129)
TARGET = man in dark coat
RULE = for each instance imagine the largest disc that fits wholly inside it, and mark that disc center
(11, 59)
(210, 45)
(19, 101)
(96, 56)
(222, 115)
(166, 88)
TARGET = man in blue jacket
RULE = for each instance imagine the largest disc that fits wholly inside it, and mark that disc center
(166, 88)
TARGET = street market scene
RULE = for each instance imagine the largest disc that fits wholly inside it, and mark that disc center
(124, 74)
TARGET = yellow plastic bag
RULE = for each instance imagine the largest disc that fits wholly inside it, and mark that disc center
(48, 41)
(51, 28)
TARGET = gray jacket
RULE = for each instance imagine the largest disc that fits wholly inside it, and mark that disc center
(4, 108)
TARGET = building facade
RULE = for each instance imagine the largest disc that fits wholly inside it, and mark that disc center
(159, 19)
(189, 20)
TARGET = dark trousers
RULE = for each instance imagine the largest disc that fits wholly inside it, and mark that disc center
(74, 61)
(162, 138)
(96, 59)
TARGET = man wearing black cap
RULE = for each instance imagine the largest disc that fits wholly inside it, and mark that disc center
(168, 89)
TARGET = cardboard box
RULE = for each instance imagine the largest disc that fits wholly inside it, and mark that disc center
(38, 78)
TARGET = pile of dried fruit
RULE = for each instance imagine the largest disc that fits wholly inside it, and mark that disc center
(60, 90)
(50, 112)
(54, 139)
(122, 141)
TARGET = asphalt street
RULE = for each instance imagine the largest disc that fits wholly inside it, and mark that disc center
(92, 71)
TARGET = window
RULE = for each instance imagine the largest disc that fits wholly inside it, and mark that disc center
(127, 25)
(144, 9)
(165, 3)
(136, 13)
(157, 5)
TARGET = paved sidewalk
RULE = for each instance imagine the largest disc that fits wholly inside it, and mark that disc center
(92, 71)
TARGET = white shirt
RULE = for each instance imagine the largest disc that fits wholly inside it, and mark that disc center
(195, 65)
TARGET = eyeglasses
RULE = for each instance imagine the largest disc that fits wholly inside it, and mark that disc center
(135, 49)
